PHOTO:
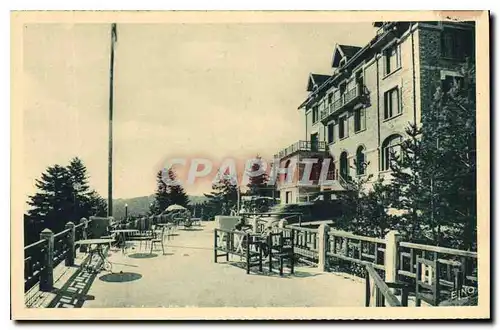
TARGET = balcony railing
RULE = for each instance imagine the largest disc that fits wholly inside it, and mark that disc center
(302, 146)
(345, 99)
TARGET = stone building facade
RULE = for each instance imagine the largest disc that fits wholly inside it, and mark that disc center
(360, 112)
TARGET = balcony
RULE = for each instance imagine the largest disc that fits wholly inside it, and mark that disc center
(349, 98)
(319, 146)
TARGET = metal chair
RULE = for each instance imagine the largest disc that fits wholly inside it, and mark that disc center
(158, 238)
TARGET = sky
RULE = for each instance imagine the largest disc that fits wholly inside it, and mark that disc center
(181, 90)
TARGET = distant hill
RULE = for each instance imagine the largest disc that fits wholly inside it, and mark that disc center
(140, 205)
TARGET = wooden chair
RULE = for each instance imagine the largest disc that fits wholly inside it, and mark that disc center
(427, 283)
(281, 248)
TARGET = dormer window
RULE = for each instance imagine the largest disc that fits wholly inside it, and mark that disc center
(342, 62)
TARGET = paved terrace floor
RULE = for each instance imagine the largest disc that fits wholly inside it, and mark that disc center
(186, 276)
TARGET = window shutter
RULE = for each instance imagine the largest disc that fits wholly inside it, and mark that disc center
(363, 118)
(400, 109)
(394, 102)
(386, 105)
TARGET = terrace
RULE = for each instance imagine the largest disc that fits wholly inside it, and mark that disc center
(302, 146)
(187, 276)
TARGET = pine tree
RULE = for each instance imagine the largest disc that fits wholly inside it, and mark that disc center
(63, 195)
(162, 197)
(52, 205)
(257, 185)
(449, 132)
(434, 177)
(409, 186)
(98, 206)
(222, 199)
(82, 203)
(376, 220)
(176, 192)
(353, 204)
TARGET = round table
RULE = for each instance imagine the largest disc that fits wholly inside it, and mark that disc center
(99, 244)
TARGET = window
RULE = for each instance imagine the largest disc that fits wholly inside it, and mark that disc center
(287, 165)
(456, 44)
(343, 133)
(392, 59)
(359, 120)
(331, 171)
(391, 103)
(315, 114)
(330, 98)
(331, 135)
(360, 161)
(360, 82)
(344, 165)
(342, 62)
(314, 142)
(390, 150)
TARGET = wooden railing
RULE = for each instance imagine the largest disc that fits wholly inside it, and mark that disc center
(34, 263)
(41, 257)
(378, 293)
(61, 247)
(453, 269)
(306, 244)
(79, 231)
(360, 250)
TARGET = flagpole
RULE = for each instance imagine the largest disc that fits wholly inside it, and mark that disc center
(110, 140)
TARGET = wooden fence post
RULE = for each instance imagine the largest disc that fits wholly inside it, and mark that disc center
(70, 256)
(322, 247)
(47, 275)
(83, 247)
(253, 223)
(391, 256)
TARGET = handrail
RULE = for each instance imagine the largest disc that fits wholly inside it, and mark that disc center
(270, 213)
(40, 242)
(301, 145)
(231, 231)
(439, 249)
(33, 263)
(61, 233)
(344, 99)
(382, 290)
(304, 229)
(344, 234)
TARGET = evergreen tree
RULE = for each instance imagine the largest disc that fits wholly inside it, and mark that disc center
(409, 187)
(176, 192)
(376, 220)
(222, 199)
(353, 204)
(449, 133)
(52, 205)
(98, 206)
(257, 185)
(82, 204)
(162, 198)
(433, 180)
(63, 195)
